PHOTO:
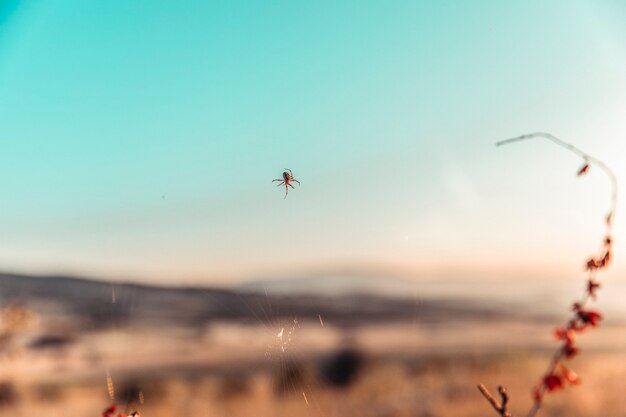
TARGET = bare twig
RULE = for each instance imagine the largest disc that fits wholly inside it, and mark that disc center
(556, 372)
(500, 407)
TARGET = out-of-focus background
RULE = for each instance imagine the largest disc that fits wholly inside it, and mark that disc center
(149, 260)
(257, 350)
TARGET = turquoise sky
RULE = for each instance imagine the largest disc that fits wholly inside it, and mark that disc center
(139, 138)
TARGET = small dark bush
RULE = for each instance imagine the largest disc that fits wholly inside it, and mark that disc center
(8, 394)
(342, 368)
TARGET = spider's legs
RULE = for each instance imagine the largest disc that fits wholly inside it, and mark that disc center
(290, 173)
(291, 186)
(286, 191)
(294, 180)
(278, 179)
(280, 183)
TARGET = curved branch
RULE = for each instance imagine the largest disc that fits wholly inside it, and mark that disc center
(586, 157)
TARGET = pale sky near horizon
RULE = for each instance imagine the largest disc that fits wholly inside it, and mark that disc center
(139, 139)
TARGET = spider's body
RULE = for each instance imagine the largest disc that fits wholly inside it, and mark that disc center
(287, 180)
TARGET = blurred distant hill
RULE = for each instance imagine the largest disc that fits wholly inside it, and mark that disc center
(97, 304)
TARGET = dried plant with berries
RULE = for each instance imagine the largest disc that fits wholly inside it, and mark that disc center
(557, 375)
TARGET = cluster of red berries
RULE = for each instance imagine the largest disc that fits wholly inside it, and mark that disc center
(583, 319)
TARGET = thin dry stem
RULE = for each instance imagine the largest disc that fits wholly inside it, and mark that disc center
(500, 407)
(585, 156)
(593, 265)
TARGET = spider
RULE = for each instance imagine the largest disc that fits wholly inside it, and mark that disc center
(286, 181)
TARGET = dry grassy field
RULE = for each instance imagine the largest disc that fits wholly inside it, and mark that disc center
(304, 369)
